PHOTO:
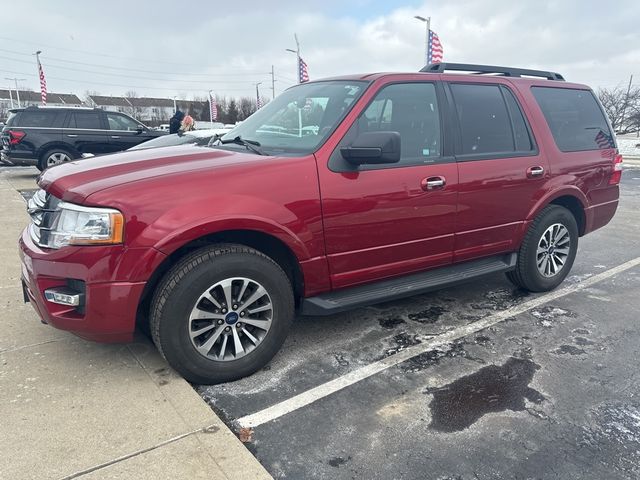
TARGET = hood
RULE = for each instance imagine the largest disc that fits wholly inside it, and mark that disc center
(75, 181)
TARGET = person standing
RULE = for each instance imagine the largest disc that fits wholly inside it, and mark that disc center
(175, 122)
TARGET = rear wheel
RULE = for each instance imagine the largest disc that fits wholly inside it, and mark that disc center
(221, 313)
(53, 157)
(548, 250)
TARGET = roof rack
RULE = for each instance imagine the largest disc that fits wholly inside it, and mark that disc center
(490, 69)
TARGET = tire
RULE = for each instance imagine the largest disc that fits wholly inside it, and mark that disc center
(182, 304)
(53, 157)
(532, 272)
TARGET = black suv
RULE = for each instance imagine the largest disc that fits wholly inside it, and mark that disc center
(47, 136)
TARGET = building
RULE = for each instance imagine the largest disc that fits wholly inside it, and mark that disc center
(146, 109)
(110, 104)
(8, 99)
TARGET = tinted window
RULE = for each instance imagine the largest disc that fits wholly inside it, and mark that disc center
(121, 122)
(575, 119)
(410, 109)
(37, 118)
(484, 121)
(523, 141)
(85, 120)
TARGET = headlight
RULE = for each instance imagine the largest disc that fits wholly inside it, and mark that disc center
(78, 225)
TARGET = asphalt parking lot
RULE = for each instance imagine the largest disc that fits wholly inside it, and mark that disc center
(481, 381)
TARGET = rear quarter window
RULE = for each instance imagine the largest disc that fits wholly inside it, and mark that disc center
(38, 118)
(575, 118)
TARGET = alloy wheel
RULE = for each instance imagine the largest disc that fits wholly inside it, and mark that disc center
(230, 319)
(553, 250)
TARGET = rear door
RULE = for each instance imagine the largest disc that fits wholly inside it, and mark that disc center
(125, 132)
(391, 219)
(85, 132)
(501, 169)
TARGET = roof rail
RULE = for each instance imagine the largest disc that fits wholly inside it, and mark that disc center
(482, 69)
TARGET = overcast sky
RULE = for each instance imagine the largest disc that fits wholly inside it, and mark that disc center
(185, 48)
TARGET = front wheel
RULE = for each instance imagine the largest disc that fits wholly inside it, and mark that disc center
(548, 250)
(221, 313)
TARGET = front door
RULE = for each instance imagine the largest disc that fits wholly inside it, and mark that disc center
(386, 220)
(124, 132)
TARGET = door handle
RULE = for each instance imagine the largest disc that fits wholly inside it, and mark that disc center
(72, 135)
(433, 183)
(536, 171)
(115, 136)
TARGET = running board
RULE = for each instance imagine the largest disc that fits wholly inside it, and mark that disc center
(406, 286)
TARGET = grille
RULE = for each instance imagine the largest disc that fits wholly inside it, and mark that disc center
(42, 208)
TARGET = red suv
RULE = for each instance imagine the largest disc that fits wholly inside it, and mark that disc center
(339, 193)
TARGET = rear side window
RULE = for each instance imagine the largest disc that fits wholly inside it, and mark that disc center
(85, 120)
(38, 118)
(576, 120)
(490, 120)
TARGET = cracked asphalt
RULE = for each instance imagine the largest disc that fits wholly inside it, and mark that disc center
(549, 393)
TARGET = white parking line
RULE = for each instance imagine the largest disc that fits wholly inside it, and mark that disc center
(306, 398)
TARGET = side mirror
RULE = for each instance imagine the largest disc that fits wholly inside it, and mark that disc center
(373, 148)
(140, 129)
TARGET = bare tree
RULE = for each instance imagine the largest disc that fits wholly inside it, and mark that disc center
(247, 108)
(622, 107)
(134, 110)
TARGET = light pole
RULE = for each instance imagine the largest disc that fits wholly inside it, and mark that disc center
(16, 80)
(427, 21)
(297, 52)
(175, 109)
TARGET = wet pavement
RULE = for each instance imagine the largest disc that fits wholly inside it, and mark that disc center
(552, 392)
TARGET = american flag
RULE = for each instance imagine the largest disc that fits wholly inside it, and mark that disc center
(43, 83)
(303, 72)
(434, 50)
(258, 103)
(213, 107)
(604, 141)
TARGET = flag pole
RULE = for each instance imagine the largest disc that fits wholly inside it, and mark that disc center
(210, 108)
(40, 76)
(427, 21)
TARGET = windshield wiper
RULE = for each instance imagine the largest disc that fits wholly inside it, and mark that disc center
(249, 144)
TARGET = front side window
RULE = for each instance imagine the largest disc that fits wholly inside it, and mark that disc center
(300, 119)
(576, 120)
(411, 109)
(121, 122)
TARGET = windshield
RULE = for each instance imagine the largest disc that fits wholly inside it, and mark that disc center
(300, 119)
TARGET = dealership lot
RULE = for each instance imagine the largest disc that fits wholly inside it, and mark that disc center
(493, 382)
(548, 390)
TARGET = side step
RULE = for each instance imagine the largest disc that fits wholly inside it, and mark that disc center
(395, 288)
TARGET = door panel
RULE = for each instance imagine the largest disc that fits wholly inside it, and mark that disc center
(495, 198)
(381, 223)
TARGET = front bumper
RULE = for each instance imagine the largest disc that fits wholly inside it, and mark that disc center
(110, 277)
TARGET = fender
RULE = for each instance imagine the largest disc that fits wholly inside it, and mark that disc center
(201, 228)
(564, 191)
(299, 235)
(550, 196)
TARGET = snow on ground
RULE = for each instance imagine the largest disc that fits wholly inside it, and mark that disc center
(629, 145)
